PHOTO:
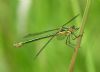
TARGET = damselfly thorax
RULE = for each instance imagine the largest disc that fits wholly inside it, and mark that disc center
(67, 31)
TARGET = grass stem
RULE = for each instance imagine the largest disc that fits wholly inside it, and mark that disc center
(82, 26)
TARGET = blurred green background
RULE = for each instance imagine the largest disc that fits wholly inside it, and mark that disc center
(20, 17)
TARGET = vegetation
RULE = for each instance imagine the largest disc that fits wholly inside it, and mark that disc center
(21, 17)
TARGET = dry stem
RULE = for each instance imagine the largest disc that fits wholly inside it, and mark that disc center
(74, 56)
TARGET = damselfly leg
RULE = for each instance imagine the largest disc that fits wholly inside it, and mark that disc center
(75, 36)
(68, 42)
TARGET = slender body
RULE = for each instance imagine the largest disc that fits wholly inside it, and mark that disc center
(62, 31)
(68, 32)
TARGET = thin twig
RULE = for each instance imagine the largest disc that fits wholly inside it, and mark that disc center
(74, 56)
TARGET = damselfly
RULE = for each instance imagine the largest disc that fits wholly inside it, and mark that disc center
(68, 32)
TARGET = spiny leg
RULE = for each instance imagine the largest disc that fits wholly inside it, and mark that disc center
(72, 38)
(75, 36)
(68, 41)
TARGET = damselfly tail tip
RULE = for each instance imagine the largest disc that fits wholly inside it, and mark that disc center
(18, 44)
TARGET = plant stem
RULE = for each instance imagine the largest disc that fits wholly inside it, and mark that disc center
(74, 56)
